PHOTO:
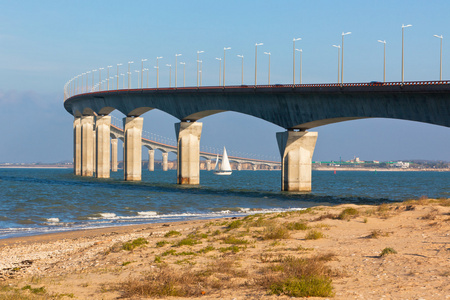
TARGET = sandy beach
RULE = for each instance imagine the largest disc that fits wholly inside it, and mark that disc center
(340, 247)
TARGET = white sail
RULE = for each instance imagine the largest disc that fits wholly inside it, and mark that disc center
(217, 162)
(225, 162)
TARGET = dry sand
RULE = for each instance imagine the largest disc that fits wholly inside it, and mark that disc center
(91, 265)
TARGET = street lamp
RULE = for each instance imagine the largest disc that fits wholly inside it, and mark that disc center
(440, 69)
(93, 78)
(268, 53)
(201, 73)
(403, 63)
(100, 78)
(293, 59)
(339, 57)
(184, 73)
(107, 75)
(112, 83)
(342, 58)
(384, 60)
(170, 74)
(129, 72)
(198, 52)
(137, 81)
(220, 64)
(157, 71)
(118, 75)
(87, 78)
(123, 80)
(256, 58)
(224, 49)
(145, 69)
(301, 61)
(82, 78)
(242, 69)
(142, 71)
(176, 69)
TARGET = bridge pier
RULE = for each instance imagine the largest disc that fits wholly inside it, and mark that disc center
(77, 146)
(165, 161)
(102, 132)
(114, 155)
(132, 154)
(151, 160)
(87, 146)
(208, 165)
(94, 144)
(254, 167)
(188, 158)
(296, 149)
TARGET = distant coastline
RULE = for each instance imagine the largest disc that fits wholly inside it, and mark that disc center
(380, 169)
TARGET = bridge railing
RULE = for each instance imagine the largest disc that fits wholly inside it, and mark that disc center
(71, 90)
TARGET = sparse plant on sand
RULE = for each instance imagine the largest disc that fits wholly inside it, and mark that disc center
(314, 235)
(130, 245)
(387, 251)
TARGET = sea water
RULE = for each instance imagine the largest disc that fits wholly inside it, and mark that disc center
(36, 201)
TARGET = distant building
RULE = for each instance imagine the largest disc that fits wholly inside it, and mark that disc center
(400, 164)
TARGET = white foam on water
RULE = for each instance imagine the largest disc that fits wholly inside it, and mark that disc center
(147, 213)
(53, 220)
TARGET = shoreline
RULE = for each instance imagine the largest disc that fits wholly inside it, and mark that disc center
(233, 253)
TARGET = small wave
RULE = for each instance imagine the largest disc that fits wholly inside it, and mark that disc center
(53, 220)
(147, 213)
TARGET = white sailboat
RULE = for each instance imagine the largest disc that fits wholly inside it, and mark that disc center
(225, 168)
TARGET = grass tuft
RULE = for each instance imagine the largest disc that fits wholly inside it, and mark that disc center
(387, 251)
(130, 245)
(276, 232)
(348, 214)
(172, 233)
(296, 226)
(314, 235)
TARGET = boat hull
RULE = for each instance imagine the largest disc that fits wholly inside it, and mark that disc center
(222, 173)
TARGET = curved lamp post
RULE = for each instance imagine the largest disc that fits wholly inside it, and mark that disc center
(224, 49)
(184, 73)
(220, 64)
(142, 71)
(293, 59)
(256, 58)
(403, 61)
(176, 69)
(384, 60)
(129, 72)
(440, 63)
(170, 74)
(157, 71)
(342, 58)
(301, 61)
(118, 75)
(198, 52)
(242, 68)
(268, 53)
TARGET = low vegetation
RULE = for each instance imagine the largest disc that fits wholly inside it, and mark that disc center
(387, 251)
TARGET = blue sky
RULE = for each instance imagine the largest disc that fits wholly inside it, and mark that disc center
(45, 43)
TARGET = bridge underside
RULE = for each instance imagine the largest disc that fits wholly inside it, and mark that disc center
(295, 109)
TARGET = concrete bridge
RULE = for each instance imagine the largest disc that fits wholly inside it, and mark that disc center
(297, 108)
(151, 145)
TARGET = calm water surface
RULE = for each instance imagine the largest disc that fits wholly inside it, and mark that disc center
(35, 201)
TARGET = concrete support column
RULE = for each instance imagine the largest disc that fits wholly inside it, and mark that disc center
(165, 161)
(239, 166)
(114, 155)
(254, 167)
(102, 133)
(77, 146)
(208, 165)
(94, 150)
(87, 146)
(132, 152)
(296, 149)
(151, 160)
(188, 158)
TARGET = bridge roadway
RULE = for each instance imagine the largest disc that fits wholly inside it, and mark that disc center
(295, 108)
(117, 133)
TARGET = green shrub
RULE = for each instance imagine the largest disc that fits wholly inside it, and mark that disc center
(235, 241)
(296, 226)
(307, 286)
(130, 245)
(206, 249)
(348, 213)
(387, 251)
(314, 235)
(172, 233)
(276, 232)
(188, 242)
(235, 224)
(162, 243)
